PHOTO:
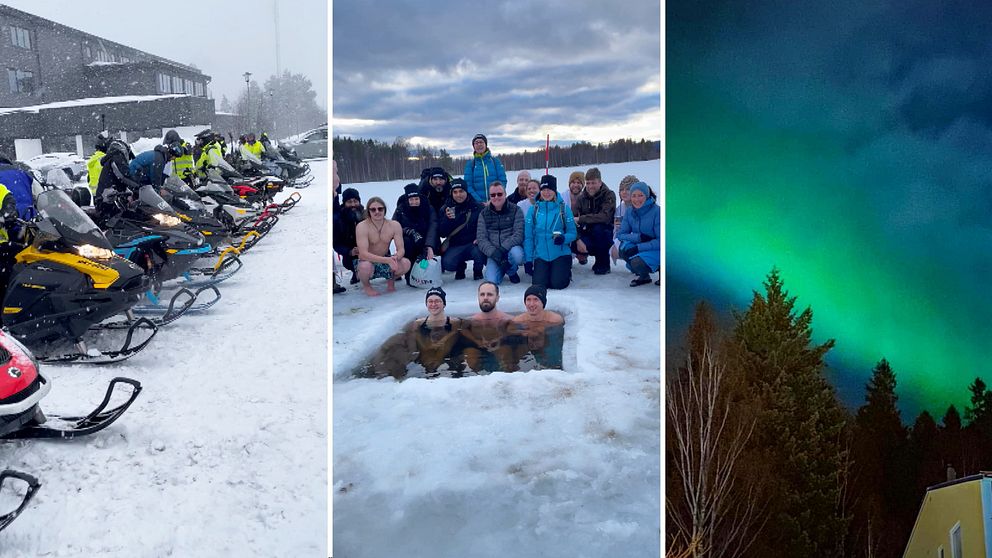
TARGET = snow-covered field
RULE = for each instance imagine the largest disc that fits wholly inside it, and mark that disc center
(224, 453)
(540, 464)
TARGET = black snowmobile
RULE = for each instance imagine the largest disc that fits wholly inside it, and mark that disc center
(68, 280)
(149, 233)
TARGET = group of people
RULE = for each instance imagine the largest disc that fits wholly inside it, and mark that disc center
(475, 218)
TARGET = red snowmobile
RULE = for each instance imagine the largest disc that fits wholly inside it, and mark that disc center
(23, 386)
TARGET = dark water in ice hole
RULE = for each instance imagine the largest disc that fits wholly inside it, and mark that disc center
(465, 350)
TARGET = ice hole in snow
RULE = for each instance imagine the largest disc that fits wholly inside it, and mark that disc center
(468, 349)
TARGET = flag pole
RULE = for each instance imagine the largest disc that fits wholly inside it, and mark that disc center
(547, 148)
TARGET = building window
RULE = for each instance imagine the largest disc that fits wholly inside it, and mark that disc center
(21, 81)
(164, 84)
(20, 37)
(956, 550)
(87, 53)
(198, 88)
(188, 86)
(177, 84)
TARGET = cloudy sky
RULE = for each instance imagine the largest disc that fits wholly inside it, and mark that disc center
(439, 73)
(223, 38)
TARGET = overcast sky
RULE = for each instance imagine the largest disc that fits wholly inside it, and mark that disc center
(440, 72)
(223, 38)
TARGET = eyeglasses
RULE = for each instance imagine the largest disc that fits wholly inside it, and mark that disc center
(377, 209)
(496, 195)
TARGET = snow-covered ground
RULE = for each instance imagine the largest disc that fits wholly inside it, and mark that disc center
(224, 453)
(539, 464)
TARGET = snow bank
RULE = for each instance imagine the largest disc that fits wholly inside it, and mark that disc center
(544, 463)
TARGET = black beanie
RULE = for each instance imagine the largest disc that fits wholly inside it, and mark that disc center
(412, 190)
(436, 291)
(438, 171)
(350, 194)
(549, 181)
(482, 137)
(539, 292)
(459, 183)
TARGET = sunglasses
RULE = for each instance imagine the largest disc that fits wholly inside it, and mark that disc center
(496, 195)
(377, 210)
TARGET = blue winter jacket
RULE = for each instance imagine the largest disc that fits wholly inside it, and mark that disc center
(647, 221)
(541, 221)
(19, 184)
(480, 172)
(148, 167)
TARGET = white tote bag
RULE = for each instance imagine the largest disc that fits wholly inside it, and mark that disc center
(426, 274)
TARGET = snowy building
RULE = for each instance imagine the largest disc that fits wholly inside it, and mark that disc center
(64, 85)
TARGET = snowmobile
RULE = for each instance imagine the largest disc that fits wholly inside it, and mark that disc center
(9, 477)
(23, 386)
(295, 172)
(66, 281)
(149, 233)
(241, 216)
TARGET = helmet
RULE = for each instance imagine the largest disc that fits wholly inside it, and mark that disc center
(172, 136)
(250, 137)
(118, 146)
(205, 136)
(102, 141)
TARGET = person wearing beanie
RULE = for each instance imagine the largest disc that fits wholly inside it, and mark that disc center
(457, 222)
(435, 186)
(594, 219)
(640, 235)
(624, 190)
(419, 224)
(482, 170)
(346, 220)
(576, 182)
(535, 300)
(436, 300)
(500, 236)
(549, 230)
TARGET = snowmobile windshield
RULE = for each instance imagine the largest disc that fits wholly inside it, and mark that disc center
(61, 218)
(149, 198)
(180, 190)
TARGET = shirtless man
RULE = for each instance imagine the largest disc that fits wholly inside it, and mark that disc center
(535, 298)
(374, 234)
(488, 297)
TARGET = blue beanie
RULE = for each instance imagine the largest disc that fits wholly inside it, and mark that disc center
(642, 188)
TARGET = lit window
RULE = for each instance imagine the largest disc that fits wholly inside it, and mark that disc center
(20, 37)
(20, 81)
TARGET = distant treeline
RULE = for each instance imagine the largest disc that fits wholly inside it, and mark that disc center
(764, 461)
(367, 160)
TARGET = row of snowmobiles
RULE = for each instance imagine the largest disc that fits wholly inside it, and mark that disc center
(80, 274)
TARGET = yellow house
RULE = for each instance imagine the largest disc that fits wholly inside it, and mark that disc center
(955, 520)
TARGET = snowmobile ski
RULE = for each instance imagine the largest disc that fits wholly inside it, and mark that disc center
(85, 356)
(68, 427)
(9, 477)
(169, 313)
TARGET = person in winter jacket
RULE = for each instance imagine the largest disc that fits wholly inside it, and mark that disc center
(482, 169)
(115, 178)
(93, 166)
(435, 186)
(349, 214)
(149, 167)
(458, 222)
(20, 182)
(594, 218)
(624, 191)
(419, 225)
(640, 234)
(500, 236)
(548, 231)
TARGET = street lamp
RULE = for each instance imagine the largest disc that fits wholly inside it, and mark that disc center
(248, 96)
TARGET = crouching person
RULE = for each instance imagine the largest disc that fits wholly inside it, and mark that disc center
(640, 235)
(374, 235)
(458, 222)
(500, 236)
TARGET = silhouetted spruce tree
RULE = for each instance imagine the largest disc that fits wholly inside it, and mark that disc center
(924, 443)
(800, 432)
(978, 432)
(881, 473)
(951, 449)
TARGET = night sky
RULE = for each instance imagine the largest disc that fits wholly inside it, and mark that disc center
(850, 145)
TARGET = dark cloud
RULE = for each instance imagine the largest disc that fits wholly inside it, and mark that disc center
(453, 69)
